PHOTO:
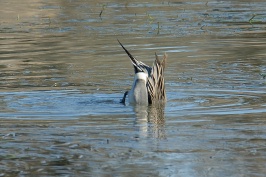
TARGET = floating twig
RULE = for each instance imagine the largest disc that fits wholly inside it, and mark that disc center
(103, 7)
(202, 27)
(251, 19)
(158, 28)
(150, 18)
(263, 75)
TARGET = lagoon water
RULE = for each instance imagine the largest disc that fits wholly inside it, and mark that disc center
(63, 74)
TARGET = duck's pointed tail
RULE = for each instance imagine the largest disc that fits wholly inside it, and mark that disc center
(138, 65)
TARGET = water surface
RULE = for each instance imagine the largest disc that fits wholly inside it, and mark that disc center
(63, 74)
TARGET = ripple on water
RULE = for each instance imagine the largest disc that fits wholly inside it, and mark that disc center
(66, 104)
(71, 104)
(215, 102)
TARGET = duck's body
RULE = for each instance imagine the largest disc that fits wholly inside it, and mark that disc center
(148, 86)
(139, 93)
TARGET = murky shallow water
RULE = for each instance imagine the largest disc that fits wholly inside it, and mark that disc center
(63, 75)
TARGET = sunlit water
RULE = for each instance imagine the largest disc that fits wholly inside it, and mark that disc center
(63, 74)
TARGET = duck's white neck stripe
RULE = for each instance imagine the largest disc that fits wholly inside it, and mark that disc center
(141, 76)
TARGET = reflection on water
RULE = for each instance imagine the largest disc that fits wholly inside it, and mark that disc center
(151, 119)
(63, 73)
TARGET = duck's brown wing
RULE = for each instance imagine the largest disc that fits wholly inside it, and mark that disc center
(155, 86)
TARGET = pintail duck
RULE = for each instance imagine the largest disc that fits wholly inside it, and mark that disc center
(148, 86)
